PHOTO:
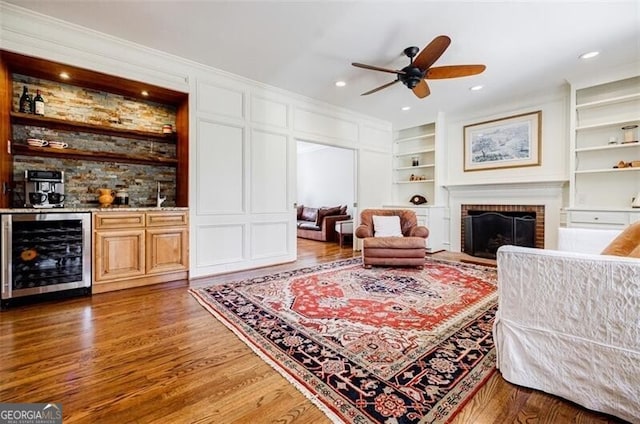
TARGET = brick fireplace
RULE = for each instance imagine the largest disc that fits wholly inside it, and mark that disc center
(535, 210)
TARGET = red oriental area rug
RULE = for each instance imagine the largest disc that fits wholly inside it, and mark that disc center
(380, 345)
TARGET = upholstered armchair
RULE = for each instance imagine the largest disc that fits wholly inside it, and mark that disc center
(386, 243)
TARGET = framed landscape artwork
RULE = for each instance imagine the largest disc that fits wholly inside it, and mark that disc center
(509, 142)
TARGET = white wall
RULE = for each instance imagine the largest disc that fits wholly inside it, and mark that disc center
(555, 143)
(326, 177)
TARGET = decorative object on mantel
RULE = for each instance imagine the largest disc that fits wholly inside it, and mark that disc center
(510, 142)
(635, 201)
(415, 161)
(630, 134)
(418, 199)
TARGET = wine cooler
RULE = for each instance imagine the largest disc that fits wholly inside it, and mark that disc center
(45, 253)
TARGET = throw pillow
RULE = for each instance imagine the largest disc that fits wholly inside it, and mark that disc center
(322, 212)
(343, 210)
(626, 244)
(309, 214)
(299, 211)
(386, 226)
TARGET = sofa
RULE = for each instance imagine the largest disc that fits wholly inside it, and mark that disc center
(568, 323)
(400, 241)
(319, 223)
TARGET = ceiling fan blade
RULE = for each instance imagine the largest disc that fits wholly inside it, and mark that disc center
(380, 88)
(377, 68)
(454, 71)
(432, 52)
(422, 89)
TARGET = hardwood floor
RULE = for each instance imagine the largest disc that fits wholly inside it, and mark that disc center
(153, 354)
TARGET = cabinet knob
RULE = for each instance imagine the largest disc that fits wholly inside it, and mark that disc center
(595, 218)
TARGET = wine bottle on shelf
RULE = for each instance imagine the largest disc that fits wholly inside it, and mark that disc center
(25, 101)
(38, 104)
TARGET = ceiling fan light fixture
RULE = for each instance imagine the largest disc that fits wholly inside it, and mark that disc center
(589, 55)
(476, 87)
(341, 83)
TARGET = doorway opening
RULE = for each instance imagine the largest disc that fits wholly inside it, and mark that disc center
(325, 194)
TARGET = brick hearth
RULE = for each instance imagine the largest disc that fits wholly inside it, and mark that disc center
(537, 209)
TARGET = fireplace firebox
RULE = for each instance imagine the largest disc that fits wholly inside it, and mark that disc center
(485, 232)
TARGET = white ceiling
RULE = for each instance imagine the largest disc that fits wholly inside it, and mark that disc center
(529, 47)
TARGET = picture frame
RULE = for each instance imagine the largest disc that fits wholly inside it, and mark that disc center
(511, 142)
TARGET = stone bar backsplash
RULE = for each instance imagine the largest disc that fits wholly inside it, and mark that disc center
(84, 177)
(65, 101)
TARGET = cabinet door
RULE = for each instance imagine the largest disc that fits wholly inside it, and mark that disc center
(167, 249)
(119, 254)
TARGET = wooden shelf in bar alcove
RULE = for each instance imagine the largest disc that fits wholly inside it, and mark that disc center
(19, 149)
(67, 125)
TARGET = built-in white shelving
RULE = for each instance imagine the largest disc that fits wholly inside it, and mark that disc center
(414, 163)
(415, 152)
(603, 170)
(598, 146)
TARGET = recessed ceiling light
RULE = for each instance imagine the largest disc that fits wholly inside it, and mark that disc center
(64, 75)
(145, 93)
(340, 83)
(589, 55)
(476, 87)
(405, 108)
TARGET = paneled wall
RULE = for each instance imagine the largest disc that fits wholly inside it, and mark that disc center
(245, 173)
(241, 146)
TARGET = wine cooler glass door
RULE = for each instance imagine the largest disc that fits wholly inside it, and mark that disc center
(45, 253)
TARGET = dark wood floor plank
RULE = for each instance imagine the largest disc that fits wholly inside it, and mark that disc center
(155, 355)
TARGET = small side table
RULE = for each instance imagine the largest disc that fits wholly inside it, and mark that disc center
(344, 230)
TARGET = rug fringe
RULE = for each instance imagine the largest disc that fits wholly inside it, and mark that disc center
(307, 393)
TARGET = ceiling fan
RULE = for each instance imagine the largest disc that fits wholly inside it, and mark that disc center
(414, 75)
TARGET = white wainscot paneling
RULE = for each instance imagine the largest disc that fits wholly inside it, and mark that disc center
(324, 125)
(219, 244)
(269, 239)
(220, 168)
(375, 137)
(374, 179)
(269, 182)
(219, 100)
(270, 112)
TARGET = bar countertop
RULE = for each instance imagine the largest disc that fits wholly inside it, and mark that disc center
(81, 210)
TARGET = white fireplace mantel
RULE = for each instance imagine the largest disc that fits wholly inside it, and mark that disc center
(547, 193)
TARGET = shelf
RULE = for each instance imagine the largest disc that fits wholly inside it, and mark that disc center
(609, 124)
(415, 152)
(612, 100)
(605, 170)
(607, 147)
(418, 181)
(66, 125)
(19, 149)
(404, 168)
(417, 137)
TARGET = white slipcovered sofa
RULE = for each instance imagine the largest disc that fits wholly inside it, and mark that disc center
(568, 323)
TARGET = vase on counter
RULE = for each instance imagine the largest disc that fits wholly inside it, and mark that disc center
(105, 197)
